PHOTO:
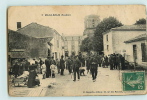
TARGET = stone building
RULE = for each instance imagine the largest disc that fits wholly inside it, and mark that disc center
(23, 46)
(91, 22)
(37, 41)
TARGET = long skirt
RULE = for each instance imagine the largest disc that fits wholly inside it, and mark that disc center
(31, 79)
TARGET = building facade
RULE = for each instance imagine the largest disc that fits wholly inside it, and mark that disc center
(58, 45)
(72, 45)
(138, 49)
(113, 40)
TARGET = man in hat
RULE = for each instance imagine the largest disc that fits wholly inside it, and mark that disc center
(111, 62)
(88, 64)
(48, 64)
(114, 61)
(76, 66)
(68, 64)
(62, 65)
(94, 67)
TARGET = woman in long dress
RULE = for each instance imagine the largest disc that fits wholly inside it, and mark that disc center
(32, 77)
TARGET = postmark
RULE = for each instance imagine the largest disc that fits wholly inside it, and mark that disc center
(133, 81)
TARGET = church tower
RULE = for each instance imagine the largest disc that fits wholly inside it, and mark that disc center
(91, 22)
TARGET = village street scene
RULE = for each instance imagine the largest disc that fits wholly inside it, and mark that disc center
(57, 53)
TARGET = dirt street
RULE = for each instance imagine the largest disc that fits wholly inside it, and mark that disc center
(108, 82)
(65, 86)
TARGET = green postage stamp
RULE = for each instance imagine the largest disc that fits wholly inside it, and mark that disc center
(133, 81)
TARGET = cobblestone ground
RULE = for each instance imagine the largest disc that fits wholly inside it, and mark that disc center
(109, 80)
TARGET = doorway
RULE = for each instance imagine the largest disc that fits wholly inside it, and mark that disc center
(135, 53)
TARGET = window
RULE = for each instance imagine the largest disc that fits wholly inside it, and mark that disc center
(107, 37)
(108, 47)
(144, 52)
(93, 25)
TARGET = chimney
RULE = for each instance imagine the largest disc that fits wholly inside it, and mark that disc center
(18, 25)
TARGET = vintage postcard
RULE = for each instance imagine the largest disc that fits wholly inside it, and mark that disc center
(76, 50)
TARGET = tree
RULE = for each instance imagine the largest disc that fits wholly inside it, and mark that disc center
(140, 21)
(105, 25)
(87, 45)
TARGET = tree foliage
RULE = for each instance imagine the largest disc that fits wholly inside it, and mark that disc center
(105, 25)
(140, 21)
(87, 45)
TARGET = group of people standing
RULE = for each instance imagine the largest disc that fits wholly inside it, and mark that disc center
(73, 64)
(52, 64)
(115, 61)
(20, 66)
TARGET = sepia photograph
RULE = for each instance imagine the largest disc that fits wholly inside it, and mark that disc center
(96, 50)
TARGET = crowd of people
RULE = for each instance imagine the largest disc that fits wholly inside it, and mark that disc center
(115, 61)
(75, 65)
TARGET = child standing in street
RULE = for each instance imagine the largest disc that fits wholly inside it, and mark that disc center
(53, 67)
(43, 67)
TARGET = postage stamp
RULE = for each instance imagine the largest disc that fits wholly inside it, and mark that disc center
(133, 81)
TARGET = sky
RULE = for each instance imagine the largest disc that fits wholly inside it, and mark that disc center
(74, 23)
